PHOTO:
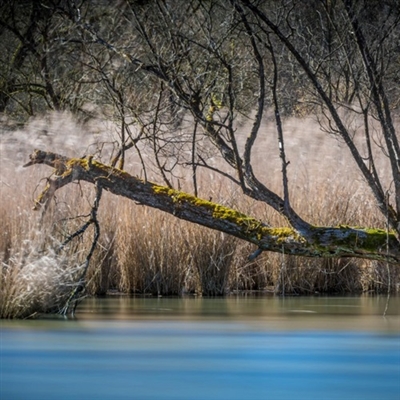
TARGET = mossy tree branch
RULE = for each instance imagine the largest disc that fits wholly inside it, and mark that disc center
(340, 241)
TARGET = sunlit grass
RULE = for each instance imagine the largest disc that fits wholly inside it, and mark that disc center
(142, 250)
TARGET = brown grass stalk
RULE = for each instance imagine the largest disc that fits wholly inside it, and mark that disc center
(142, 250)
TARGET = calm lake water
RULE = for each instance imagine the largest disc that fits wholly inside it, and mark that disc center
(200, 348)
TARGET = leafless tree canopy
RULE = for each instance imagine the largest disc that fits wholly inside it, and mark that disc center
(182, 77)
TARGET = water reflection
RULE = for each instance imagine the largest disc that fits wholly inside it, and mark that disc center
(361, 312)
(196, 349)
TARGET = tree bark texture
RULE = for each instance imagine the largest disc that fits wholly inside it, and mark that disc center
(338, 241)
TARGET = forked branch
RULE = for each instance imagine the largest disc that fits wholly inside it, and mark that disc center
(340, 241)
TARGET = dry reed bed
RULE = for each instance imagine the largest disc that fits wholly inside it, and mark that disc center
(142, 250)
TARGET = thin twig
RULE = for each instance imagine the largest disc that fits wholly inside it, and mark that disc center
(81, 281)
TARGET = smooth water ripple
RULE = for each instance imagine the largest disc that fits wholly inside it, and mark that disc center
(201, 358)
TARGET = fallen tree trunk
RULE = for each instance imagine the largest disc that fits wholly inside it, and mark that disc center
(340, 241)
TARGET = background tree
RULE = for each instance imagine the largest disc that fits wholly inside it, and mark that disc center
(195, 64)
(182, 78)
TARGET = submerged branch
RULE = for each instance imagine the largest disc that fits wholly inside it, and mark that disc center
(341, 241)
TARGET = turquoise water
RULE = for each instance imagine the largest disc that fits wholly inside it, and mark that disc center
(234, 348)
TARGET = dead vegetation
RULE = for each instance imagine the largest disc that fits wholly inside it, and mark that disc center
(142, 250)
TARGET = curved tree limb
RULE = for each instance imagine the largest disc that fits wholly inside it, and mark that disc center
(374, 184)
(340, 241)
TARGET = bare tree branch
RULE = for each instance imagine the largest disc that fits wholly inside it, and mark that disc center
(342, 241)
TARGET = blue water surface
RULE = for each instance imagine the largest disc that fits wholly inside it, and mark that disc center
(196, 360)
(311, 348)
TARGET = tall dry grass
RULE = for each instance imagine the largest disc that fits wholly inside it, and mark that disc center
(142, 250)
(35, 276)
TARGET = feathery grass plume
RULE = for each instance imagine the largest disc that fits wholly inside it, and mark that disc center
(34, 282)
(142, 250)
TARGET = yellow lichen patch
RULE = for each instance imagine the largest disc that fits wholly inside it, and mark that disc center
(378, 238)
(352, 237)
(157, 189)
(218, 211)
(40, 200)
(248, 225)
(77, 162)
(282, 234)
(89, 163)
